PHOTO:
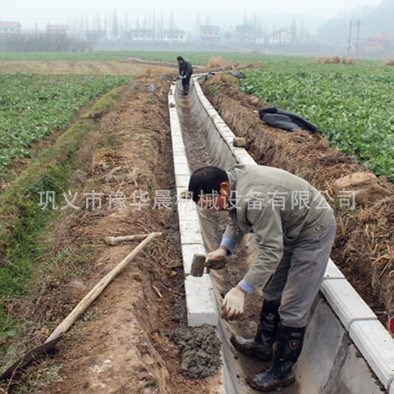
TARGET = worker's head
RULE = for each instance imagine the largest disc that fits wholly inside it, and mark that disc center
(210, 188)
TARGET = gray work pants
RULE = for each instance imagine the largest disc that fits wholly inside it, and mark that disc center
(298, 277)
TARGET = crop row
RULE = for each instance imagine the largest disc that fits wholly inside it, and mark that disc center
(32, 106)
(351, 105)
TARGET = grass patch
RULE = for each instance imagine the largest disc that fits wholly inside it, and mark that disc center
(224, 79)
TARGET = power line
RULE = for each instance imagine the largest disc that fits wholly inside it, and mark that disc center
(349, 43)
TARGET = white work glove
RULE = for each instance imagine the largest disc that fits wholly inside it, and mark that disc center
(216, 260)
(233, 304)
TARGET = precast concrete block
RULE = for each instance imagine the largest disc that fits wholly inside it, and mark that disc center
(182, 181)
(187, 212)
(190, 232)
(175, 127)
(377, 346)
(181, 169)
(200, 302)
(346, 302)
(212, 113)
(332, 271)
(225, 132)
(221, 125)
(229, 140)
(326, 343)
(174, 118)
(176, 140)
(178, 152)
(178, 145)
(179, 159)
(243, 157)
(204, 102)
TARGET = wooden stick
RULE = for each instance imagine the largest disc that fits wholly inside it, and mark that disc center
(32, 354)
(96, 291)
(116, 240)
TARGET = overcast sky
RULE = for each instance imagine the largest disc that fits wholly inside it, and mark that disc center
(58, 11)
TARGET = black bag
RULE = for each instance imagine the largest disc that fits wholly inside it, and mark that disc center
(278, 117)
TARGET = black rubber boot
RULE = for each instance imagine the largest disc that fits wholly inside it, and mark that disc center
(287, 349)
(261, 345)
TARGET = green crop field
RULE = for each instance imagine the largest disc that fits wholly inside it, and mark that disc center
(32, 106)
(351, 104)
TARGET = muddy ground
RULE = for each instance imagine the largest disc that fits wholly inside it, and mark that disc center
(134, 338)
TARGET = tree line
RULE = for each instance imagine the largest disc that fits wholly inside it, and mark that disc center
(44, 42)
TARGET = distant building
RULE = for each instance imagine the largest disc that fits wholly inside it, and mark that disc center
(57, 29)
(210, 34)
(280, 37)
(174, 36)
(10, 27)
(245, 34)
(139, 35)
(379, 44)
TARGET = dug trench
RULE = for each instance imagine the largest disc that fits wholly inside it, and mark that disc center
(134, 338)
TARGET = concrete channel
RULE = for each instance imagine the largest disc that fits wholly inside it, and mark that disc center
(347, 349)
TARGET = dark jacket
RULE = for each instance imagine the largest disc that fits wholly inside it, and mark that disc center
(285, 120)
(185, 68)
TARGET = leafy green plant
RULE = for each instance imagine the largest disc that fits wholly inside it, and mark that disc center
(350, 105)
(32, 106)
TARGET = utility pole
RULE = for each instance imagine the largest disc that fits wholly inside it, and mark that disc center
(358, 36)
(349, 39)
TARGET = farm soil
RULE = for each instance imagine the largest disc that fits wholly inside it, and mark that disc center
(134, 338)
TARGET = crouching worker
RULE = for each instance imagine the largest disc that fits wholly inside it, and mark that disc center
(294, 229)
